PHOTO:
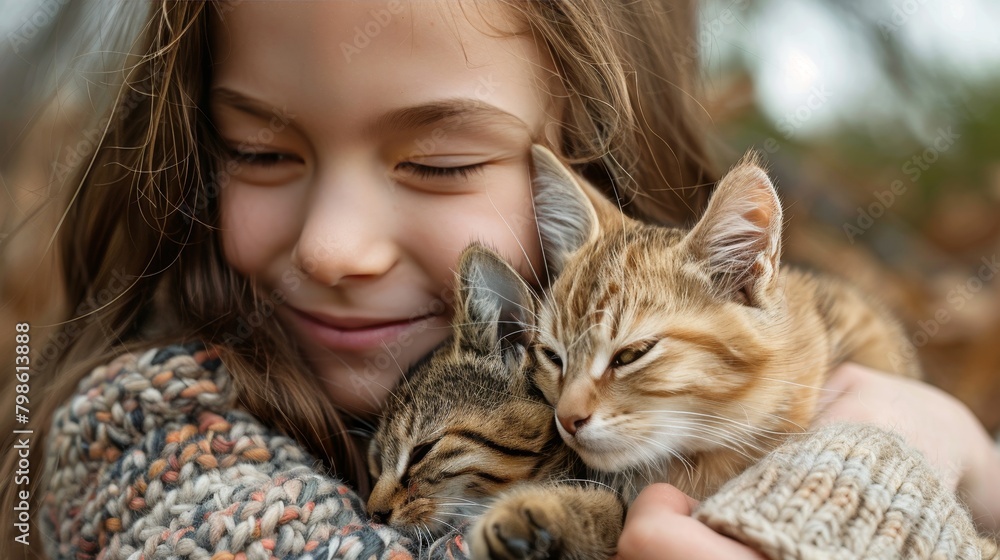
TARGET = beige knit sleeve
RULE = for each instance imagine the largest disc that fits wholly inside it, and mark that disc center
(845, 491)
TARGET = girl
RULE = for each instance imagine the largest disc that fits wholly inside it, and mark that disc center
(291, 188)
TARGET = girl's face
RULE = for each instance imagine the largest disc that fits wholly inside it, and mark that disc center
(371, 142)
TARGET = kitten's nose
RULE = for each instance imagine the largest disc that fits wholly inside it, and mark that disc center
(572, 422)
(382, 517)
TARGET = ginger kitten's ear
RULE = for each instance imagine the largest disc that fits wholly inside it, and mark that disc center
(565, 216)
(495, 308)
(739, 236)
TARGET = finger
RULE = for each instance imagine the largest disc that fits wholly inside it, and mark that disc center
(980, 490)
(659, 526)
(842, 377)
(673, 536)
(657, 496)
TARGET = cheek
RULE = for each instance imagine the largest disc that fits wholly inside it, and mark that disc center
(256, 226)
(516, 235)
(501, 217)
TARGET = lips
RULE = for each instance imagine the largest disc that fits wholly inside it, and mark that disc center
(354, 333)
(350, 323)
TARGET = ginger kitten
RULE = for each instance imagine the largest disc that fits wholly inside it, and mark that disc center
(674, 355)
(684, 356)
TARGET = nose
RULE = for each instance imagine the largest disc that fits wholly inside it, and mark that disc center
(348, 231)
(379, 502)
(572, 422)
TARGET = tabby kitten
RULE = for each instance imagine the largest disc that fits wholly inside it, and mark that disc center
(466, 424)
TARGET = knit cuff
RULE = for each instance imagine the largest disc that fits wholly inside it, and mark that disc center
(845, 491)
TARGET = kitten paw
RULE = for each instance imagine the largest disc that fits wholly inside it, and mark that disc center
(520, 530)
(563, 521)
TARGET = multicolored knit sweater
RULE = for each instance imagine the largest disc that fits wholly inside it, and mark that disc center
(153, 459)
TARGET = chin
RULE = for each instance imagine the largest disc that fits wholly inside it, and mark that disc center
(606, 460)
(614, 453)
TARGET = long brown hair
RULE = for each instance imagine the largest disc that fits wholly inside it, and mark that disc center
(633, 125)
(139, 247)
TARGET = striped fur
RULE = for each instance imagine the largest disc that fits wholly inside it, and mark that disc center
(466, 425)
(467, 429)
(684, 356)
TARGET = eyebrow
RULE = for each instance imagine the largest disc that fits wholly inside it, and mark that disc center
(244, 103)
(460, 110)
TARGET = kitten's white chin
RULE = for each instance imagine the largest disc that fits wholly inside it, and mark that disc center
(606, 459)
(613, 453)
(605, 462)
(606, 449)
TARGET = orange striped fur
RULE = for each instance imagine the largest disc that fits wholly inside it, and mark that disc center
(684, 356)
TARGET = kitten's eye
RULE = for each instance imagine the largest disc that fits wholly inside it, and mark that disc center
(629, 355)
(552, 356)
(416, 455)
(421, 451)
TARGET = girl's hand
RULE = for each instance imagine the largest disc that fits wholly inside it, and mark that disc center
(659, 526)
(934, 422)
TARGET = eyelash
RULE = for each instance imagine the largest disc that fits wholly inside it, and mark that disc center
(260, 159)
(429, 172)
(269, 159)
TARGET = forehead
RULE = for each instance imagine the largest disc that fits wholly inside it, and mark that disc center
(642, 268)
(627, 257)
(344, 64)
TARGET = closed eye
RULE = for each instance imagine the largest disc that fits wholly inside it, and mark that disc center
(552, 356)
(630, 354)
(431, 172)
(419, 452)
(262, 159)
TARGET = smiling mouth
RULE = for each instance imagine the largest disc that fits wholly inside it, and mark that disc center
(355, 334)
(352, 324)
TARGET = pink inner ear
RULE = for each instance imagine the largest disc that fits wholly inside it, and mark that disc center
(760, 216)
(750, 183)
(741, 229)
(759, 191)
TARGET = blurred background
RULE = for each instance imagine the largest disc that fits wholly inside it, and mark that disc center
(879, 120)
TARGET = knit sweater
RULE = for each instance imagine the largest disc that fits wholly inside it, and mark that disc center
(152, 458)
(847, 491)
